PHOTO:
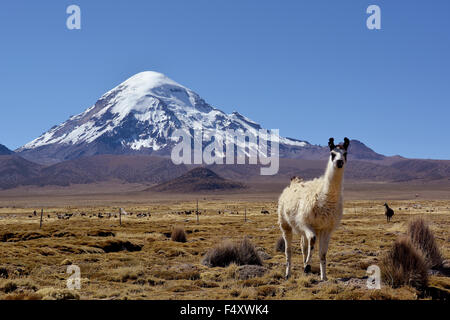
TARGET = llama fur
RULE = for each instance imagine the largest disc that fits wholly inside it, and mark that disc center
(313, 209)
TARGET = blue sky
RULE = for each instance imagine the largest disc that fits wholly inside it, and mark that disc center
(310, 68)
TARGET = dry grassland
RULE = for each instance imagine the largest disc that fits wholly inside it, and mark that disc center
(138, 260)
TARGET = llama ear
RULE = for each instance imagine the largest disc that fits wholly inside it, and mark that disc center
(331, 144)
(346, 143)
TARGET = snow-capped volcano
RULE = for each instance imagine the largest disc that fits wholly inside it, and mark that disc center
(139, 116)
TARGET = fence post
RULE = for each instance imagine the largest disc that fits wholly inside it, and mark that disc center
(197, 212)
(120, 216)
(245, 215)
(40, 222)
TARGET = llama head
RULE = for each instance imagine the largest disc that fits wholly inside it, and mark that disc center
(338, 154)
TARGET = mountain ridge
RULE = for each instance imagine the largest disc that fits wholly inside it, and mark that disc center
(5, 151)
(150, 170)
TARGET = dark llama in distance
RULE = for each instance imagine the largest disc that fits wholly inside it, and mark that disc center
(388, 212)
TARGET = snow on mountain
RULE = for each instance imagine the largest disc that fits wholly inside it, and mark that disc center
(139, 116)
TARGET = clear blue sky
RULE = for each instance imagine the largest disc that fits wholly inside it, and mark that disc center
(310, 68)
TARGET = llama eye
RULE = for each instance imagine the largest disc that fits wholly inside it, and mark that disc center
(333, 155)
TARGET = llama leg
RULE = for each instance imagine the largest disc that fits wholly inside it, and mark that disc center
(311, 237)
(323, 248)
(287, 236)
(304, 246)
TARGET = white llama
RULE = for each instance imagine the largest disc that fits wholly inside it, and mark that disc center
(314, 209)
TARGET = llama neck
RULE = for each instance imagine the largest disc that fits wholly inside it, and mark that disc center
(332, 186)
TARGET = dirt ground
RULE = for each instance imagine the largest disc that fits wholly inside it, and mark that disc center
(138, 260)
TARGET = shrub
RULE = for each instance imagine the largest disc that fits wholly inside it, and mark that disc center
(222, 255)
(4, 273)
(227, 252)
(404, 264)
(8, 287)
(423, 238)
(178, 235)
(280, 245)
(248, 254)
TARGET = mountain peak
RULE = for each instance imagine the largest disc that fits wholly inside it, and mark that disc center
(360, 151)
(149, 80)
(140, 115)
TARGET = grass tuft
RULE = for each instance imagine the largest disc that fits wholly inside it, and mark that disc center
(423, 238)
(227, 252)
(404, 264)
(178, 235)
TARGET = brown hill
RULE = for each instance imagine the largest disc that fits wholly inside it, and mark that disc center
(198, 179)
(15, 171)
(131, 169)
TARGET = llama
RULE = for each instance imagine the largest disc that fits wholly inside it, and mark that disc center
(313, 209)
(388, 212)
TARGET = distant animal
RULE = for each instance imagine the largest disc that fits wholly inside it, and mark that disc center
(264, 212)
(313, 209)
(388, 212)
(34, 213)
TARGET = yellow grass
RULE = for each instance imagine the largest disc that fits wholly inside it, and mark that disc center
(36, 259)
